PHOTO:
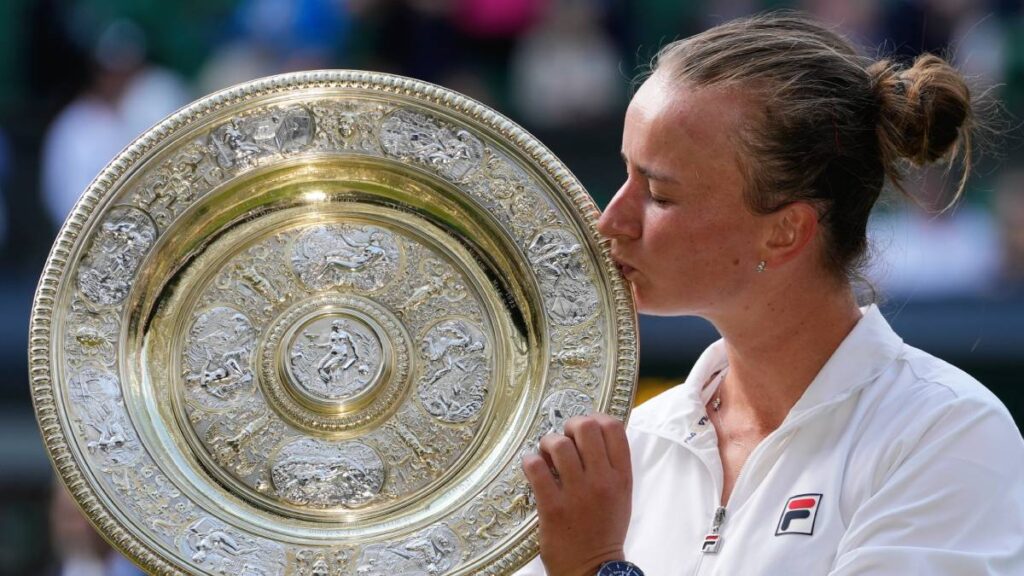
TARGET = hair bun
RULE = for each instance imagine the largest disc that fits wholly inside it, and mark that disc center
(925, 109)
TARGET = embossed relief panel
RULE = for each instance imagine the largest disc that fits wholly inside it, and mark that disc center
(316, 325)
(269, 381)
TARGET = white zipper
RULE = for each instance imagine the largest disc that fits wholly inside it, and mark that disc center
(718, 518)
(719, 515)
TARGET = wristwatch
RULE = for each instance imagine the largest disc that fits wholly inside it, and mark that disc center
(619, 568)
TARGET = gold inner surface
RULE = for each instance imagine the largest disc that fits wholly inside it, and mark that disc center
(262, 423)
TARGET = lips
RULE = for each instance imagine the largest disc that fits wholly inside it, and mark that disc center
(624, 268)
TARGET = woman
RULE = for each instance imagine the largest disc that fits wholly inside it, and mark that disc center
(810, 439)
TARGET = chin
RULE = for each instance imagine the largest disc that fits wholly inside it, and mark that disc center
(664, 312)
(648, 308)
(653, 306)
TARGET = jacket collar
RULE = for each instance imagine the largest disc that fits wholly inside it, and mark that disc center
(861, 357)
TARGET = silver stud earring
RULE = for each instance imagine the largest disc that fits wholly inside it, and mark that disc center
(761, 266)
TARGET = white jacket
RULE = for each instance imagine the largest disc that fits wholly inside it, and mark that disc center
(892, 462)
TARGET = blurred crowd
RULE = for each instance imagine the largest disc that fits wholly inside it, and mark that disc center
(82, 78)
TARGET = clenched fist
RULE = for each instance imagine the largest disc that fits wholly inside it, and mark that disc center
(583, 483)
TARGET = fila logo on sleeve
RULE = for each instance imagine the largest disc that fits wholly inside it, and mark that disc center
(799, 514)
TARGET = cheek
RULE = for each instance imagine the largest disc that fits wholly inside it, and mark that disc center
(698, 245)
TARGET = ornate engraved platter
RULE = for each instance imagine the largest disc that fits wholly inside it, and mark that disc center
(311, 324)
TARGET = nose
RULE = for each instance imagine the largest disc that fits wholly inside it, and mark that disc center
(622, 217)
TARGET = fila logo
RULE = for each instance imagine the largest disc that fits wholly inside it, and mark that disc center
(711, 543)
(799, 514)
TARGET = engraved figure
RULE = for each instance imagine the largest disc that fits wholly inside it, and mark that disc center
(274, 130)
(217, 354)
(501, 184)
(561, 406)
(432, 552)
(194, 166)
(242, 441)
(513, 196)
(253, 280)
(259, 284)
(569, 293)
(233, 146)
(108, 268)
(441, 281)
(454, 385)
(221, 377)
(418, 449)
(222, 550)
(341, 354)
(364, 257)
(418, 459)
(154, 499)
(321, 562)
(352, 255)
(177, 182)
(96, 397)
(452, 152)
(215, 542)
(309, 472)
(497, 512)
(348, 125)
(338, 364)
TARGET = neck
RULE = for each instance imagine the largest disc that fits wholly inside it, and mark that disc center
(776, 348)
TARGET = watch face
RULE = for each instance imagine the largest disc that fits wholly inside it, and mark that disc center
(619, 569)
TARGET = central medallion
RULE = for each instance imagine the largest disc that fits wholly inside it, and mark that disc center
(334, 363)
(334, 358)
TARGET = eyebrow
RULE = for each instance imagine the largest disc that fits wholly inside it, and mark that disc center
(649, 173)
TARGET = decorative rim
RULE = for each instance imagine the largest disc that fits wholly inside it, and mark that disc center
(43, 388)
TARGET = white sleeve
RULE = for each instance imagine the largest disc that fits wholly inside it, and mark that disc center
(954, 505)
(534, 568)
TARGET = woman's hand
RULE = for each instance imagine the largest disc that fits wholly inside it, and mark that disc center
(583, 482)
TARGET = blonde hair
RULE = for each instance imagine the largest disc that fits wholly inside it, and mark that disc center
(830, 126)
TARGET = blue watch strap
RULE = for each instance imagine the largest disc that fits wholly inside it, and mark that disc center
(619, 568)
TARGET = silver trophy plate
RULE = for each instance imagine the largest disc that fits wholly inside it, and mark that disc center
(311, 324)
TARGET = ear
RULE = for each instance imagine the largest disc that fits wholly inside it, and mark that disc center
(793, 227)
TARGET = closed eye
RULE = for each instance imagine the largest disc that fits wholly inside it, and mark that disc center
(660, 201)
(650, 173)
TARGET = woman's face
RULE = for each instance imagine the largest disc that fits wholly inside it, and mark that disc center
(680, 229)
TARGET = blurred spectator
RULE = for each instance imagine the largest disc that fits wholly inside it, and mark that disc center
(921, 252)
(5, 164)
(126, 96)
(1009, 209)
(490, 31)
(498, 19)
(977, 38)
(274, 36)
(860, 20)
(566, 71)
(78, 548)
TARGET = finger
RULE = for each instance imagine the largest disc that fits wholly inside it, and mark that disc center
(616, 442)
(563, 454)
(586, 432)
(545, 487)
